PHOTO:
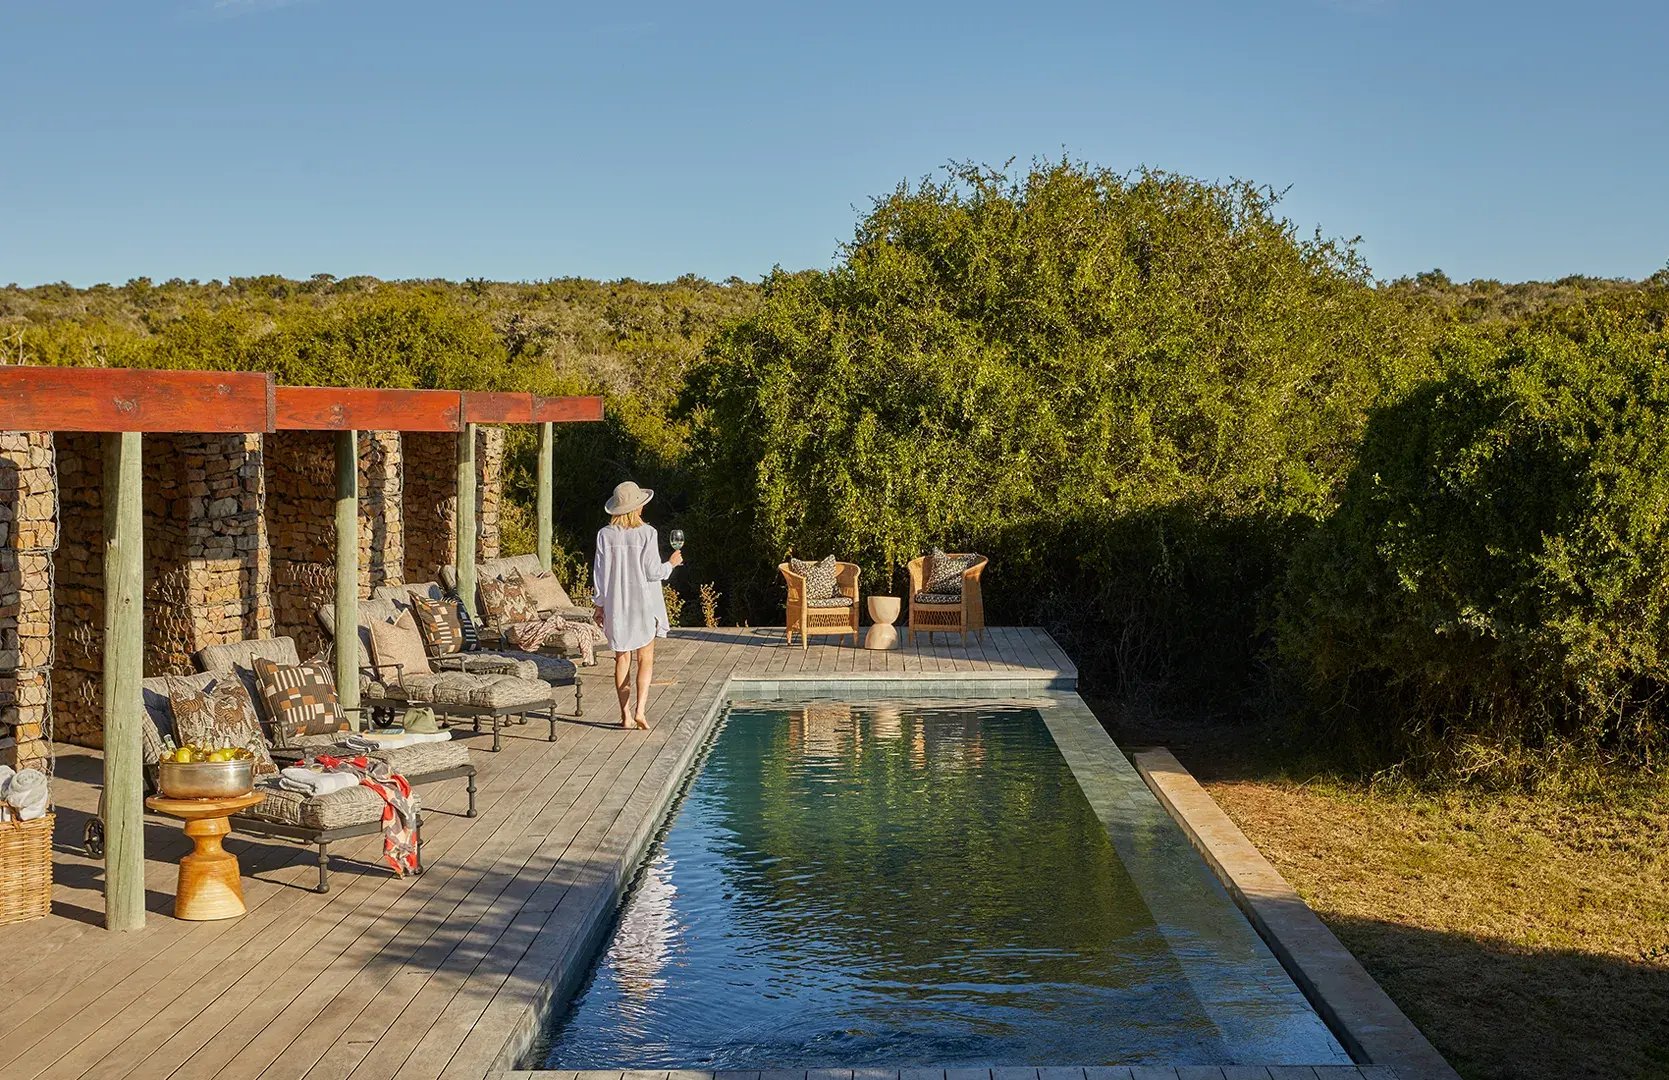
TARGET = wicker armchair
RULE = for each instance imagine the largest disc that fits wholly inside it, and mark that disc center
(822, 616)
(964, 615)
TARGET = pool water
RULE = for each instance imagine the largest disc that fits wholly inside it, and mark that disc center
(879, 884)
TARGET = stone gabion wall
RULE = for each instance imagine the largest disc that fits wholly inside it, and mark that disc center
(431, 499)
(489, 491)
(232, 523)
(207, 574)
(28, 536)
(430, 503)
(301, 519)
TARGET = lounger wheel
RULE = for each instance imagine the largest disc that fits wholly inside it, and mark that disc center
(93, 838)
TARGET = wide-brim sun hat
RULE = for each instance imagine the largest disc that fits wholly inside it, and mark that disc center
(627, 497)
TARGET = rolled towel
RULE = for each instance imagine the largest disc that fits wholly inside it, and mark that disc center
(360, 742)
(27, 794)
(315, 782)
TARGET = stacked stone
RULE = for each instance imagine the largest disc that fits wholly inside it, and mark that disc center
(227, 556)
(28, 536)
(207, 574)
(382, 534)
(77, 705)
(301, 485)
(489, 490)
(430, 503)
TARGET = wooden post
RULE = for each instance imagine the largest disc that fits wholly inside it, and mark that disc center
(347, 571)
(547, 461)
(124, 652)
(466, 518)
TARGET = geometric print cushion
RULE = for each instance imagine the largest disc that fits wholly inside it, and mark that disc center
(443, 631)
(218, 715)
(507, 602)
(820, 576)
(466, 623)
(944, 576)
(300, 697)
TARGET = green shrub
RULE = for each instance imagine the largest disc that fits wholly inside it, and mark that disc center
(1494, 589)
(1122, 389)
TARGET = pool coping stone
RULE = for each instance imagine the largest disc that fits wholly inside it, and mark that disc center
(1357, 1009)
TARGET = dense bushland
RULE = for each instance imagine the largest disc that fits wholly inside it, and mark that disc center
(1129, 391)
(1493, 590)
(1225, 467)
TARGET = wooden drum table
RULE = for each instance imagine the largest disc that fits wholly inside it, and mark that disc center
(210, 883)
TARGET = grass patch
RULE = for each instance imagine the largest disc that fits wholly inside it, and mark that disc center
(1526, 934)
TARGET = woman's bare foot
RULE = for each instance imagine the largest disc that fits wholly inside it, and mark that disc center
(626, 720)
(642, 722)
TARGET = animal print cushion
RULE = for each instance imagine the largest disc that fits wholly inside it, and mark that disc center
(218, 715)
(547, 592)
(820, 576)
(443, 631)
(507, 602)
(944, 574)
(301, 699)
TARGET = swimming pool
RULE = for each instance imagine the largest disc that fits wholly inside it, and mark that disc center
(928, 883)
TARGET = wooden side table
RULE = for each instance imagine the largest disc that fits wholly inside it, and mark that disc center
(210, 884)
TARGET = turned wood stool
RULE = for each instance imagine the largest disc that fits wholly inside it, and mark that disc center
(210, 884)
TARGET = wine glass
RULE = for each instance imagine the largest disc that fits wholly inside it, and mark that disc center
(676, 539)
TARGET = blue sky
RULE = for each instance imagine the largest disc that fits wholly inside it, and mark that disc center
(207, 138)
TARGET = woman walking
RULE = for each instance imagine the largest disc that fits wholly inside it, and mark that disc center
(627, 576)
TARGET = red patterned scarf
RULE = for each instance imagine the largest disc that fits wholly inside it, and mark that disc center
(399, 812)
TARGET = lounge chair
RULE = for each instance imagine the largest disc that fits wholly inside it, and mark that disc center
(317, 820)
(423, 763)
(526, 565)
(946, 612)
(837, 614)
(467, 692)
(555, 670)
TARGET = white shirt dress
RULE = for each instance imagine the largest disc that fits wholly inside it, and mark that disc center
(627, 576)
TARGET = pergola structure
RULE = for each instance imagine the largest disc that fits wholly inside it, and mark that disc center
(124, 404)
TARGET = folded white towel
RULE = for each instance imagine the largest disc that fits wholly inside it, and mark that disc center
(319, 783)
(388, 740)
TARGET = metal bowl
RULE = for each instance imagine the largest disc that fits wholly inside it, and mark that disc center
(206, 779)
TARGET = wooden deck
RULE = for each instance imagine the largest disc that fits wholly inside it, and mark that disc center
(445, 974)
(1094, 1072)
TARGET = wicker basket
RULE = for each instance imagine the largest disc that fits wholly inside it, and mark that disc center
(25, 869)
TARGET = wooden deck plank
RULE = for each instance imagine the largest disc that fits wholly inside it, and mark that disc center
(314, 1008)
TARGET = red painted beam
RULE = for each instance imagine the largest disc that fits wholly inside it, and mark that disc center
(481, 407)
(331, 408)
(134, 399)
(567, 410)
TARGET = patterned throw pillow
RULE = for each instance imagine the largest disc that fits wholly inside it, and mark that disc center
(820, 576)
(507, 602)
(399, 642)
(547, 592)
(217, 715)
(466, 621)
(944, 574)
(443, 630)
(301, 699)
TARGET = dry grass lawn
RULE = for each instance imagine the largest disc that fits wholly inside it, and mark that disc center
(1527, 936)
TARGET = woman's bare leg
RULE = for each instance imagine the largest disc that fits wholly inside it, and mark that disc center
(645, 677)
(623, 686)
